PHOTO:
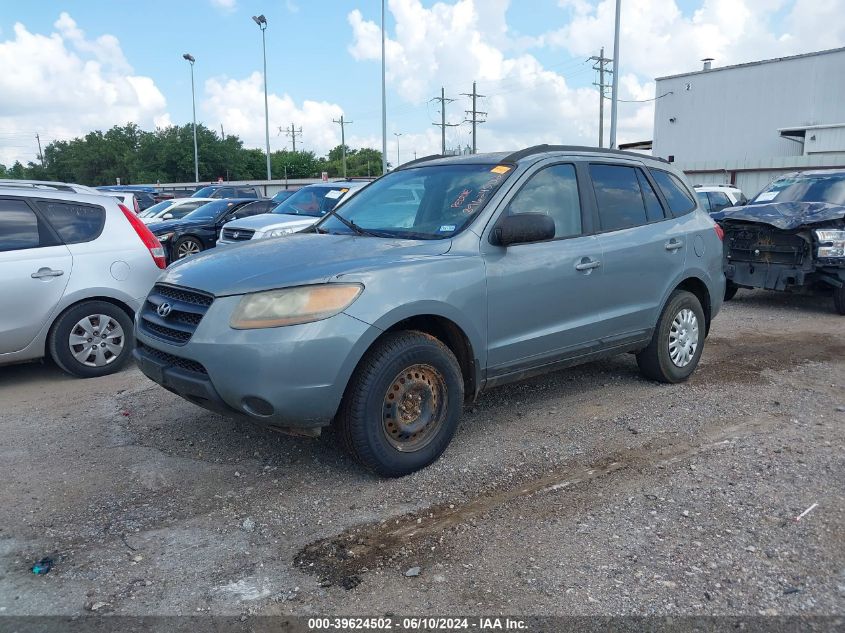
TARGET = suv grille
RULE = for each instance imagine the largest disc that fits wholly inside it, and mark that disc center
(237, 235)
(178, 324)
(175, 361)
(764, 245)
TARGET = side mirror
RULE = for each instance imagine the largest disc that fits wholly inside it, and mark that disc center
(523, 228)
(167, 216)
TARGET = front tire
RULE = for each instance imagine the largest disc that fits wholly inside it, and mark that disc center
(186, 246)
(839, 300)
(403, 404)
(92, 339)
(677, 343)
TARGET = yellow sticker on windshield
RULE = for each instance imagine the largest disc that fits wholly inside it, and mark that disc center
(500, 169)
(344, 190)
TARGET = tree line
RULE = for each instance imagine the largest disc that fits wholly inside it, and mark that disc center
(166, 155)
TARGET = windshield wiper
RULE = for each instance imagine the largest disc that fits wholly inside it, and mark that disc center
(357, 229)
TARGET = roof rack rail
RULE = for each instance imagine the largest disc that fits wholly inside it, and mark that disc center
(417, 161)
(542, 149)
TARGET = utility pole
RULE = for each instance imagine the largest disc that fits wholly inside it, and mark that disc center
(222, 133)
(614, 94)
(343, 125)
(293, 133)
(475, 114)
(40, 153)
(601, 62)
(443, 125)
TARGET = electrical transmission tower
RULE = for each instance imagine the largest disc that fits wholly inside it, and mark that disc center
(443, 125)
(475, 114)
(343, 125)
(292, 132)
(601, 62)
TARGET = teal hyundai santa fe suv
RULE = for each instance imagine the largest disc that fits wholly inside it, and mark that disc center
(443, 278)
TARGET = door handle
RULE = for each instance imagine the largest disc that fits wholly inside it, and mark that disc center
(673, 245)
(47, 272)
(588, 265)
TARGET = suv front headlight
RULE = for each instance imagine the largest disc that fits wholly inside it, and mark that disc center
(831, 243)
(293, 306)
(279, 232)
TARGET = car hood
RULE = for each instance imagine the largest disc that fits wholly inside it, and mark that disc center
(176, 225)
(271, 220)
(294, 260)
(783, 215)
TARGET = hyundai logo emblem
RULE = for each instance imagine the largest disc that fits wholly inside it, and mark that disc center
(164, 309)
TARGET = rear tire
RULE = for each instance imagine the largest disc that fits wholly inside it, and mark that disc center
(402, 405)
(730, 290)
(839, 300)
(678, 340)
(92, 339)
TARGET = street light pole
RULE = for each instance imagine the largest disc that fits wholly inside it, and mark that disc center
(397, 135)
(614, 97)
(383, 100)
(261, 21)
(190, 59)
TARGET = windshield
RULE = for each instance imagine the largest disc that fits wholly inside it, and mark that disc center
(312, 201)
(283, 195)
(209, 210)
(205, 192)
(155, 209)
(420, 203)
(805, 188)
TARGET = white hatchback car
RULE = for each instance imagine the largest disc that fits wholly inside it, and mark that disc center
(74, 268)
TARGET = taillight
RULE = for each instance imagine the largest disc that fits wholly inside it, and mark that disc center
(719, 231)
(147, 237)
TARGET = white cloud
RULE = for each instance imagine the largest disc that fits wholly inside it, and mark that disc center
(454, 44)
(64, 85)
(239, 105)
(226, 6)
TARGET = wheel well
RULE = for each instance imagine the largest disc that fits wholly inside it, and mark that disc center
(129, 311)
(453, 337)
(699, 289)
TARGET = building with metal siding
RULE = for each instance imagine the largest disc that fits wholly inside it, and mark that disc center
(749, 123)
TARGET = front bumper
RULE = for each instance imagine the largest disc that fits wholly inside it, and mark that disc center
(291, 376)
(781, 276)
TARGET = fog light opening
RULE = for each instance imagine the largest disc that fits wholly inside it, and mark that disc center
(257, 406)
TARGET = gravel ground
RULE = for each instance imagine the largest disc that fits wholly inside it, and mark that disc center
(590, 491)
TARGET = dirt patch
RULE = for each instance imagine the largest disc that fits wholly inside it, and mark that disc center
(342, 560)
(743, 359)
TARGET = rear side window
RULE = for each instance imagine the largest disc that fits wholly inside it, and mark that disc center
(75, 223)
(18, 226)
(653, 208)
(676, 194)
(246, 193)
(619, 196)
(704, 200)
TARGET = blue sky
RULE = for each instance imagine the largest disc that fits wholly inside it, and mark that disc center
(528, 56)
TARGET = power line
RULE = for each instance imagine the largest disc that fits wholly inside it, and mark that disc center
(601, 62)
(665, 94)
(475, 114)
(443, 125)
